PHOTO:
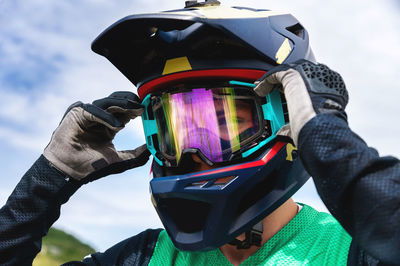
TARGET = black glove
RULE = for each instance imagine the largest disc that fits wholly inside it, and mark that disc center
(81, 146)
(309, 89)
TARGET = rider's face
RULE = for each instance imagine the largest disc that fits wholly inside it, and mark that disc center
(244, 118)
(244, 122)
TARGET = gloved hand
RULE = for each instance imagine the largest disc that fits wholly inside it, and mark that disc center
(82, 147)
(309, 88)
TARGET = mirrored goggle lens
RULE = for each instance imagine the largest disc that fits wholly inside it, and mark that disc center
(217, 122)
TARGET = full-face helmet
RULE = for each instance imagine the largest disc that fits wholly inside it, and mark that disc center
(195, 70)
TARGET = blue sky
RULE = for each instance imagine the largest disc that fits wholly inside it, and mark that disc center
(46, 64)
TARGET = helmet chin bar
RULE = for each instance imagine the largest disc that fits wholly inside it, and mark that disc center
(204, 210)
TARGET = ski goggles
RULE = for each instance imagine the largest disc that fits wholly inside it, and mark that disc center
(219, 123)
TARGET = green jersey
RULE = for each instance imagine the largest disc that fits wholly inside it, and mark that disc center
(310, 238)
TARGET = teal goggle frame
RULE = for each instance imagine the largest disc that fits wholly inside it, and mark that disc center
(274, 111)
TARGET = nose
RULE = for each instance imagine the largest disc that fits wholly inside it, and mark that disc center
(200, 164)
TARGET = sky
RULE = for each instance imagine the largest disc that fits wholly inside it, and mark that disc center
(46, 64)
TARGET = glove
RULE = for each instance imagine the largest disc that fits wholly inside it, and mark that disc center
(81, 146)
(310, 89)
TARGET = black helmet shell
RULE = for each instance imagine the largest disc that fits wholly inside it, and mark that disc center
(211, 37)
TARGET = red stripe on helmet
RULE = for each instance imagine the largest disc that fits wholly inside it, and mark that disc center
(235, 74)
(274, 150)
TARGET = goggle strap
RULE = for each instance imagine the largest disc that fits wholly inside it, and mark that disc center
(240, 83)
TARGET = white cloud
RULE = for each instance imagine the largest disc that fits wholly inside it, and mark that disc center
(52, 39)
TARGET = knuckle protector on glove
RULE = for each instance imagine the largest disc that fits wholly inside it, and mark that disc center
(321, 80)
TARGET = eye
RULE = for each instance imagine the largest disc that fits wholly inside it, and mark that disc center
(243, 120)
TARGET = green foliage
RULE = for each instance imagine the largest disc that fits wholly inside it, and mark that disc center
(59, 247)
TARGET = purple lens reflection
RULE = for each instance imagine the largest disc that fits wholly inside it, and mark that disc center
(194, 123)
(215, 121)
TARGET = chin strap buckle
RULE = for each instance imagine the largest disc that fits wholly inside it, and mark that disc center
(253, 238)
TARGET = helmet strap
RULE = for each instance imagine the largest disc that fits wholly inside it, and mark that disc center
(253, 238)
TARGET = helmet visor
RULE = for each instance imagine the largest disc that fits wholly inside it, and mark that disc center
(214, 121)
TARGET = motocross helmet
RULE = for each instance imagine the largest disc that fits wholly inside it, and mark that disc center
(195, 70)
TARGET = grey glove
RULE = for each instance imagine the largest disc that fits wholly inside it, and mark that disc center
(309, 88)
(82, 147)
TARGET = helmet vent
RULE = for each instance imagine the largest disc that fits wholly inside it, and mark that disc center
(263, 188)
(326, 76)
(220, 182)
(189, 216)
(297, 30)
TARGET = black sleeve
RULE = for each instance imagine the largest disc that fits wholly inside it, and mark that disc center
(360, 188)
(29, 212)
(133, 251)
(358, 257)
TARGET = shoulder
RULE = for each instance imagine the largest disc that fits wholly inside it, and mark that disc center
(136, 250)
(325, 226)
(143, 241)
(326, 235)
(165, 251)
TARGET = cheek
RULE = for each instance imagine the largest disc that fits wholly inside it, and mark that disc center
(245, 119)
(245, 125)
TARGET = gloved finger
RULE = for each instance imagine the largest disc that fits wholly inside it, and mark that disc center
(285, 134)
(263, 87)
(98, 115)
(120, 99)
(127, 160)
(123, 105)
(140, 151)
(269, 81)
(89, 113)
(284, 131)
(124, 115)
